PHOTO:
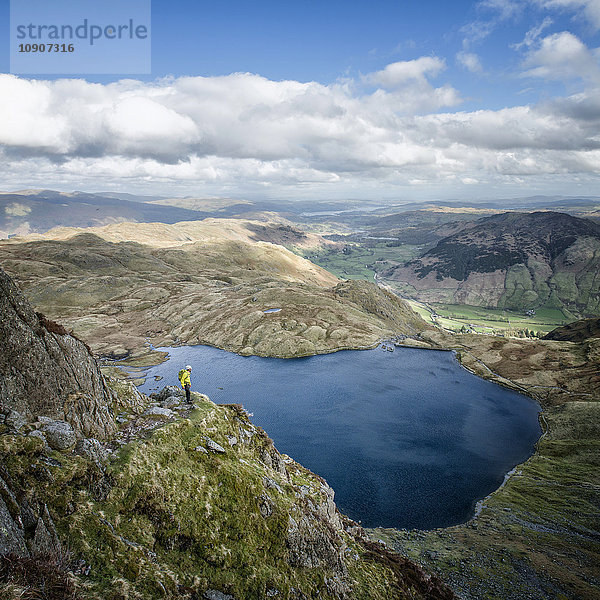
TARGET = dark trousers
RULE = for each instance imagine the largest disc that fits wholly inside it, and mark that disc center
(188, 395)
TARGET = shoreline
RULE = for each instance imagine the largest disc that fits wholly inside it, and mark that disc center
(420, 345)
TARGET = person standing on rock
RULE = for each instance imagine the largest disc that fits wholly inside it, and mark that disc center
(186, 382)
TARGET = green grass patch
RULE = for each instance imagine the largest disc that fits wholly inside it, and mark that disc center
(458, 317)
(358, 261)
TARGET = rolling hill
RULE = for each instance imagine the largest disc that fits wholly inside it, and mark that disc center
(204, 282)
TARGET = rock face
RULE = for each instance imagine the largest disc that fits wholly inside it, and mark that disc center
(46, 371)
(26, 527)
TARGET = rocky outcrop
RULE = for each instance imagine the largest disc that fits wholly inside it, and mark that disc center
(46, 371)
(26, 527)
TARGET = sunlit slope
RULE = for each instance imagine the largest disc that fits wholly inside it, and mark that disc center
(194, 283)
(165, 235)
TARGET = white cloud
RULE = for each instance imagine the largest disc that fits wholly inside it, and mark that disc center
(589, 9)
(243, 132)
(505, 9)
(469, 61)
(563, 56)
(399, 73)
(533, 34)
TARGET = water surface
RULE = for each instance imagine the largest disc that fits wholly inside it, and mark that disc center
(407, 439)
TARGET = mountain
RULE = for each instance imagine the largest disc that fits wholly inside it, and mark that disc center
(37, 211)
(206, 282)
(511, 260)
(180, 503)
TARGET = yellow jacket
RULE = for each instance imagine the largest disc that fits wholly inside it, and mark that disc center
(184, 378)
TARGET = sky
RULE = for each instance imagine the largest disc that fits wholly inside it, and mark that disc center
(392, 100)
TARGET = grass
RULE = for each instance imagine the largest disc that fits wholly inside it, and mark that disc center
(168, 520)
(361, 262)
(491, 320)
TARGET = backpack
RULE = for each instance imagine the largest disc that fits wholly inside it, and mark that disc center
(181, 375)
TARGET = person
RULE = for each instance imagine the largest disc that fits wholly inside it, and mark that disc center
(186, 382)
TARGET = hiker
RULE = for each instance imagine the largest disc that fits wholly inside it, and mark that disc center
(186, 382)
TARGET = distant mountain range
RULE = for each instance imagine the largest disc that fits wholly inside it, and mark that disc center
(37, 211)
(511, 260)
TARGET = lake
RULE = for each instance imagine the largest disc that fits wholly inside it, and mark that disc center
(407, 439)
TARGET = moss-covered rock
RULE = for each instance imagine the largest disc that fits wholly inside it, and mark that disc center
(168, 518)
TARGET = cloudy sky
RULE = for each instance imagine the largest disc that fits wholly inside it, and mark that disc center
(373, 99)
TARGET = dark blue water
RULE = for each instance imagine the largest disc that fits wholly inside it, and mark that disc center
(407, 439)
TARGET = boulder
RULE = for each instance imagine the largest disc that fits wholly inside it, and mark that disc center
(159, 412)
(59, 435)
(15, 420)
(171, 402)
(214, 447)
(167, 392)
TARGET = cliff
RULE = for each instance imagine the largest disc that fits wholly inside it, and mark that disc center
(46, 371)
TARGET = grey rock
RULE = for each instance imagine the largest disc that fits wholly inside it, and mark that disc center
(201, 449)
(46, 370)
(42, 542)
(265, 506)
(272, 484)
(167, 392)
(15, 420)
(59, 435)
(171, 401)
(311, 544)
(159, 412)
(216, 595)
(44, 420)
(232, 440)
(12, 536)
(2, 418)
(213, 446)
(92, 449)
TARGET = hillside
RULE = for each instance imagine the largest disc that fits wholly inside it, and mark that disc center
(180, 503)
(577, 331)
(37, 211)
(512, 260)
(201, 283)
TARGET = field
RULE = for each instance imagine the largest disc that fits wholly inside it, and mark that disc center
(358, 261)
(362, 262)
(476, 319)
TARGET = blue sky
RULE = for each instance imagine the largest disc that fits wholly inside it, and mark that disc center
(383, 99)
